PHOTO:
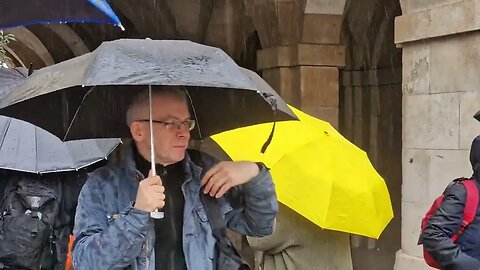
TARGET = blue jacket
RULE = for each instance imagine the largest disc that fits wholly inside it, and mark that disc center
(111, 234)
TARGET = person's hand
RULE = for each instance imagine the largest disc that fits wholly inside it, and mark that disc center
(225, 175)
(150, 194)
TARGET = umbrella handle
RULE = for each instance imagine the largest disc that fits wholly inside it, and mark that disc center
(156, 214)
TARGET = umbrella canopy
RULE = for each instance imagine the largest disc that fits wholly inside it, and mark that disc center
(87, 96)
(15, 13)
(27, 148)
(317, 173)
(10, 78)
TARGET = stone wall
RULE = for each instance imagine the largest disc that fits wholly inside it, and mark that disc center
(301, 51)
(371, 112)
(440, 95)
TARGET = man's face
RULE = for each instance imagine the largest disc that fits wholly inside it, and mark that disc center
(170, 129)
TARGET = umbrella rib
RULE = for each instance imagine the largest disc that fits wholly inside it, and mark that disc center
(194, 113)
(18, 170)
(99, 159)
(5, 132)
(113, 17)
(20, 73)
(36, 148)
(76, 112)
(70, 154)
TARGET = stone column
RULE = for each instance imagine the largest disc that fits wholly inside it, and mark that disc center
(302, 52)
(300, 58)
(441, 92)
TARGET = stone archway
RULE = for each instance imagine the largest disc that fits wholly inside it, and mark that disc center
(29, 48)
(439, 40)
(337, 60)
(371, 112)
(302, 51)
(69, 37)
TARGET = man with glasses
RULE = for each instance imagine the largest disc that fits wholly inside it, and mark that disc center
(113, 227)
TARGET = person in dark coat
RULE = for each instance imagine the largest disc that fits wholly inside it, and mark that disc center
(464, 254)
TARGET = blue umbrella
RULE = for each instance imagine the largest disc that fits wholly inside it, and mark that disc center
(16, 13)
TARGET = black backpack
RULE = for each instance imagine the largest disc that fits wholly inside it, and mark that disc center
(28, 219)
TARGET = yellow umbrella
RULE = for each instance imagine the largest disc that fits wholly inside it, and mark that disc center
(317, 173)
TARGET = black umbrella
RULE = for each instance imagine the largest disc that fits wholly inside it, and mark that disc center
(87, 96)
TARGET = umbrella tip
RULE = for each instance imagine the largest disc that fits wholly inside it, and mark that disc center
(30, 69)
(121, 27)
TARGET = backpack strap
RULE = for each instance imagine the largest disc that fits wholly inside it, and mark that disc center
(214, 215)
(219, 228)
(471, 205)
(455, 182)
(10, 184)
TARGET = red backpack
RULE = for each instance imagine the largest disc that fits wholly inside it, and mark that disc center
(469, 213)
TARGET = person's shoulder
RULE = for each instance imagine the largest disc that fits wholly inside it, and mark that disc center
(106, 175)
(456, 190)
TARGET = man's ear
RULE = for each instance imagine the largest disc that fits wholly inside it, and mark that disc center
(137, 132)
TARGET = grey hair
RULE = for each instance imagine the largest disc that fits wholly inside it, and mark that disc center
(139, 104)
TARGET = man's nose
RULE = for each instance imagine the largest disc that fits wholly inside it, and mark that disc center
(182, 131)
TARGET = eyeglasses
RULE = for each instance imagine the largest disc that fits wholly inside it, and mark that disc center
(170, 125)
